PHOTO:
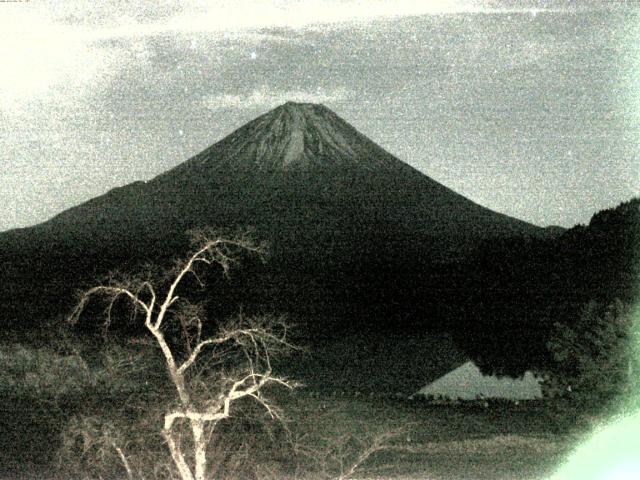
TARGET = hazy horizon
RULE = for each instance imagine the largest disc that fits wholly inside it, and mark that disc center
(530, 108)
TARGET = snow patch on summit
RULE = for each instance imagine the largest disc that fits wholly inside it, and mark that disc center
(295, 147)
(298, 136)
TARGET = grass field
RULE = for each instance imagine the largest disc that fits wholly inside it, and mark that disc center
(41, 391)
(455, 442)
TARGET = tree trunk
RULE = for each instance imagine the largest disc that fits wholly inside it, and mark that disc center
(200, 449)
(176, 453)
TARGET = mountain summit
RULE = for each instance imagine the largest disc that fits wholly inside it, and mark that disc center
(301, 161)
(297, 136)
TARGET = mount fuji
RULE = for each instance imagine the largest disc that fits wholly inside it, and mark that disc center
(346, 220)
(360, 242)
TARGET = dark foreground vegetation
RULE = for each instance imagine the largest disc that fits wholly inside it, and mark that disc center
(90, 402)
(65, 416)
(500, 301)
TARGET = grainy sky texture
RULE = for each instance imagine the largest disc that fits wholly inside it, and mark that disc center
(531, 108)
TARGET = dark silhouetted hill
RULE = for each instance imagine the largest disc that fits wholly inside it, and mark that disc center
(518, 288)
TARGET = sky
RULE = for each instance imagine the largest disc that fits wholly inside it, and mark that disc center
(529, 107)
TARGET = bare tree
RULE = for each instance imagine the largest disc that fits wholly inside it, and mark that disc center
(338, 453)
(347, 453)
(252, 340)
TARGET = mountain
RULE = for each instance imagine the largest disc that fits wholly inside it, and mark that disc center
(330, 202)
(354, 232)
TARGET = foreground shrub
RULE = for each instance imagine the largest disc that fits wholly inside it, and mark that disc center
(42, 372)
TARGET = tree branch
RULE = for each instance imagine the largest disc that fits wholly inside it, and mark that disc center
(114, 292)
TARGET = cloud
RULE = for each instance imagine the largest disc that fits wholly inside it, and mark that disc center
(43, 59)
(227, 15)
(112, 18)
(53, 48)
(264, 97)
(248, 14)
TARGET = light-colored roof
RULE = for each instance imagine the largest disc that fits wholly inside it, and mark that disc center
(467, 383)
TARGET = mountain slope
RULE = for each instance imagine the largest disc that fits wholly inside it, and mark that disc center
(300, 160)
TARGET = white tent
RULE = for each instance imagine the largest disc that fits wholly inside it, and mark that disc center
(467, 383)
